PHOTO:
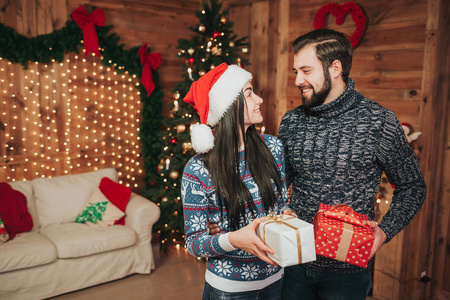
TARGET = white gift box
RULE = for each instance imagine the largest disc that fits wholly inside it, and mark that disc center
(291, 238)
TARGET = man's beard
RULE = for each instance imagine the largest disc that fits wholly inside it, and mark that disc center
(318, 98)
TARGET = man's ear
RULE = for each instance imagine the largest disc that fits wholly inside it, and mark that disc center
(335, 69)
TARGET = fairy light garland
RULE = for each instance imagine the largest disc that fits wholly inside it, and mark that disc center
(101, 126)
(59, 119)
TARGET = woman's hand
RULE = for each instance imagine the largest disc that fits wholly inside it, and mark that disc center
(247, 240)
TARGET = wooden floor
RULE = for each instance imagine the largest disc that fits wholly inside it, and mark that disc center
(178, 275)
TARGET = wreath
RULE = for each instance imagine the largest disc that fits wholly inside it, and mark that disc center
(339, 11)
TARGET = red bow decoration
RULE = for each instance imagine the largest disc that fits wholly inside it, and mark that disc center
(149, 61)
(86, 23)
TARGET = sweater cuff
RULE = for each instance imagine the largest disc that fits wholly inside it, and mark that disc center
(225, 243)
(389, 235)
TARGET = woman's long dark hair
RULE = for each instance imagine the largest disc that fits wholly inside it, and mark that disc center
(223, 164)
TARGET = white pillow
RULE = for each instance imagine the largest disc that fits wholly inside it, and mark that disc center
(99, 211)
(60, 199)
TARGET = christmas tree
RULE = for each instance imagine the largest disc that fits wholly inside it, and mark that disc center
(212, 44)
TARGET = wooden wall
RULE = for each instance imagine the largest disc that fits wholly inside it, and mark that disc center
(401, 64)
(34, 149)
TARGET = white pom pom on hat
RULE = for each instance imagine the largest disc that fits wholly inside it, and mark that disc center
(211, 96)
(202, 138)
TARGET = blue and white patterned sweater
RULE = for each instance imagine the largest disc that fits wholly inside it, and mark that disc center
(228, 269)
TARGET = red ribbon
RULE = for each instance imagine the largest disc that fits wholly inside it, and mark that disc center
(86, 23)
(149, 61)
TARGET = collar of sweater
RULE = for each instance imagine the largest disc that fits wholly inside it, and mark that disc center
(341, 104)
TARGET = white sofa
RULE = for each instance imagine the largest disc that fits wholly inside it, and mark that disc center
(59, 255)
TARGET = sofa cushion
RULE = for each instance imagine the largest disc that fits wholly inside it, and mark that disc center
(118, 194)
(60, 199)
(74, 239)
(14, 211)
(28, 249)
(26, 188)
(99, 211)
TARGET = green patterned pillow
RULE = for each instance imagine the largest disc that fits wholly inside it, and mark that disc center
(99, 211)
(93, 213)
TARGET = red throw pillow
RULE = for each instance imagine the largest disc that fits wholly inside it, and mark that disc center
(118, 194)
(14, 211)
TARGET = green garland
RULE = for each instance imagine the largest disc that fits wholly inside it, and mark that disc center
(44, 48)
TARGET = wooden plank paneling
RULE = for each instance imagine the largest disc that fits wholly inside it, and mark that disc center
(441, 265)
(266, 25)
(58, 140)
(278, 64)
(259, 44)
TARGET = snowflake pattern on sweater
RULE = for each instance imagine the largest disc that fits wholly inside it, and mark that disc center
(200, 204)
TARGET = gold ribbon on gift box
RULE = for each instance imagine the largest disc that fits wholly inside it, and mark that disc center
(274, 218)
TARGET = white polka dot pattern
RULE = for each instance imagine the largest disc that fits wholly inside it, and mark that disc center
(342, 234)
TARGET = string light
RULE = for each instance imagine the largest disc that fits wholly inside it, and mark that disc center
(74, 116)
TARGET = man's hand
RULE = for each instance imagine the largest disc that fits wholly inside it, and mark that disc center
(213, 228)
(380, 238)
(247, 240)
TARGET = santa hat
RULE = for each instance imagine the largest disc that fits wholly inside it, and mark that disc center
(211, 96)
(406, 127)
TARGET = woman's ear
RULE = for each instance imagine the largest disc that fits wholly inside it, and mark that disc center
(335, 69)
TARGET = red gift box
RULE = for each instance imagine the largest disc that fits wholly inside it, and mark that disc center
(342, 234)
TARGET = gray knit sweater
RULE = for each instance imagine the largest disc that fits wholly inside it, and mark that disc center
(336, 153)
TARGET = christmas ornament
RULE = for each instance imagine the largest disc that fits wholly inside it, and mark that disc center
(231, 44)
(181, 128)
(216, 51)
(339, 11)
(190, 74)
(411, 135)
(167, 164)
(201, 28)
(191, 60)
(173, 174)
(216, 34)
(191, 51)
(187, 146)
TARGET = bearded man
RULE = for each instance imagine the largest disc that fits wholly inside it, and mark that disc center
(337, 144)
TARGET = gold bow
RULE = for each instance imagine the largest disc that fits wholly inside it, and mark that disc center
(279, 219)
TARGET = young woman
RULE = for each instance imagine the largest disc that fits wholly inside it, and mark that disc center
(236, 178)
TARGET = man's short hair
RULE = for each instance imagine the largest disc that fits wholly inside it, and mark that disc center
(330, 45)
